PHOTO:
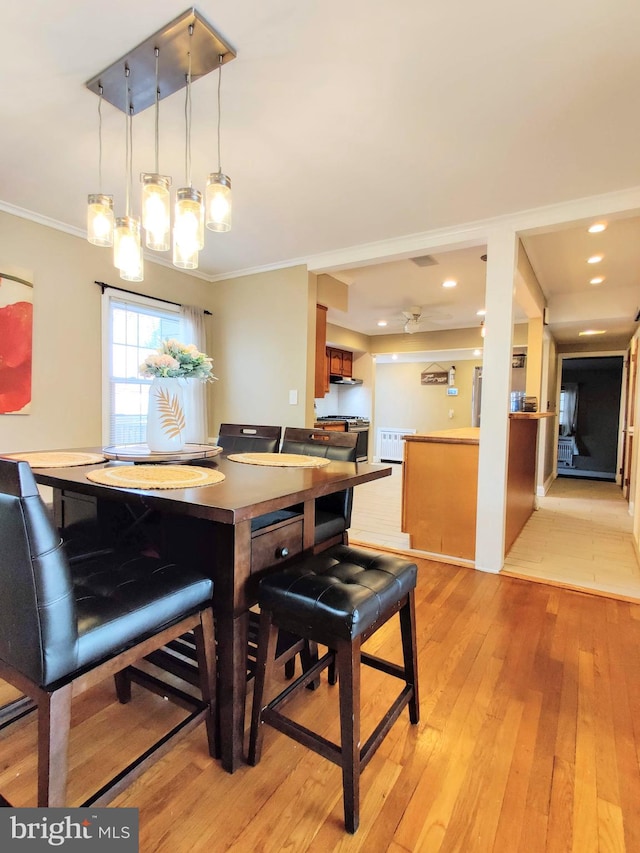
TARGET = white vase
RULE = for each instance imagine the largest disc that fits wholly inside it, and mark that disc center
(166, 425)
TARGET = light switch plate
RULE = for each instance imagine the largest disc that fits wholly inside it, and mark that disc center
(293, 398)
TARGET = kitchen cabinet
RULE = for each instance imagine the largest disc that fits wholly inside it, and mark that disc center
(340, 362)
(321, 383)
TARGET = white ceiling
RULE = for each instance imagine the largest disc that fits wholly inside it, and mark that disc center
(348, 123)
(560, 262)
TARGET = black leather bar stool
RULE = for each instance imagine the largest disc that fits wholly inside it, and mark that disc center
(338, 598)
(64, 626)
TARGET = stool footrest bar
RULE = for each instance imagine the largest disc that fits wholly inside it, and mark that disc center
(303, 735)
(385, 724)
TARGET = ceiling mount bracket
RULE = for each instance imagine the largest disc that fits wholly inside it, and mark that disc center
(189, 32)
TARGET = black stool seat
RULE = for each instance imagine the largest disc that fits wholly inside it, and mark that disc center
(340, 592)
(339, 598)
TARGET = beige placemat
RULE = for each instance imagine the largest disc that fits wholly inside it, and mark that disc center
(56, 459)
(280, 460)
(156, 476)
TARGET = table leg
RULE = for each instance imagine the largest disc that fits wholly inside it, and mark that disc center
(233, 558)
(232, 687)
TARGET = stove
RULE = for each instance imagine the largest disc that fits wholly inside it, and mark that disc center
(354, 424)
(356, 420)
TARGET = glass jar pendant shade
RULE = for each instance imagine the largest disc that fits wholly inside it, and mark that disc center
(218, 202)
(100, 219)
(126, 244)
(156, 211)
(188, 229)
(136, 271)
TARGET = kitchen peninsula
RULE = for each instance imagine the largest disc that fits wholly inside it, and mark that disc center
(440, 484)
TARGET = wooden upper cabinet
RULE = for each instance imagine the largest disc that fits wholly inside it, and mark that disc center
(340, 362)
(321, 384)
(335, 361)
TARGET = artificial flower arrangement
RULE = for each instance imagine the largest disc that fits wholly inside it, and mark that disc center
(176, 360)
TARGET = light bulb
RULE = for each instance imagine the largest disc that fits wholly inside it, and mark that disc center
(156, 216)
(188, 229)
(126, 244)
(100, 219)
(218, 202)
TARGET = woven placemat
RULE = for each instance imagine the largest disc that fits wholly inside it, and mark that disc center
(280, 460)
(56, 459)
(156, 476)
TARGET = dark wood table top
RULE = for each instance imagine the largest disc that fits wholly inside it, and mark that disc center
(246, 492)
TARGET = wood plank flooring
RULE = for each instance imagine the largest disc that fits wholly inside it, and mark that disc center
(528, 740)
(579, 537)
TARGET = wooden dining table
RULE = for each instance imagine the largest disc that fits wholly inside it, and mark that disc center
(212, 525)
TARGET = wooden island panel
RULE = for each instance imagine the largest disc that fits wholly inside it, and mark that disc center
(521, 477)
(439, 492)
(440, 485)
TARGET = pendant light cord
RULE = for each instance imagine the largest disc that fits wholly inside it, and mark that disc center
(100, 140)
(157, 129)
(128, 141)
(219, 82)
(187, 119)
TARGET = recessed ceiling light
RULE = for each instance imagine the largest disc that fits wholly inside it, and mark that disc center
(382, 322)
(481, 312)
(592, 332)
(594, 259)
(449, 283)
(477, 352)
(597, 227)
(394, 356)
(598, 280)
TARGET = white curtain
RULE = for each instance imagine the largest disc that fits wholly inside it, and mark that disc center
(195, 393)
(569, 412)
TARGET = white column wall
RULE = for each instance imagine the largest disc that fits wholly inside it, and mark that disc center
(502, 251)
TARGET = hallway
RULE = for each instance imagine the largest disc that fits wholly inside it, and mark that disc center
(580, 536)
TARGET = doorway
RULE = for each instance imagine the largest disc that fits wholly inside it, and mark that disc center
(589, 417)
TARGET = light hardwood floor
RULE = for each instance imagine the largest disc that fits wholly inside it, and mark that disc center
(528, 740)
(580, 536)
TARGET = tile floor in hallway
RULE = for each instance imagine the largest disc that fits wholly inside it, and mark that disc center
(580, 535)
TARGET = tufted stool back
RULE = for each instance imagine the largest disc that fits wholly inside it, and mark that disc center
(54, 618)
(333, 512)
(65, 626)
(249, 438)
(38, 625)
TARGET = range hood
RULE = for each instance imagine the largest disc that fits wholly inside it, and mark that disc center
(343, 380)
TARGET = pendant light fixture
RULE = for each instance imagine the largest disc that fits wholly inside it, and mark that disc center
(218, 193)
(99, 205)
(127, 248)
(156, 202)
(185, 49)
(188, 227)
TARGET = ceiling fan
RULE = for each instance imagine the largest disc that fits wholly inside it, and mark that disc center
(412, 319)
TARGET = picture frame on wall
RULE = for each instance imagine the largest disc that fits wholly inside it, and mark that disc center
(16, 344)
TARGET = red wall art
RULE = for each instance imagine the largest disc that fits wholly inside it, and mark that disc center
(16, 324)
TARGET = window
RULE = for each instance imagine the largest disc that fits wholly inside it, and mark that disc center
(133, 327)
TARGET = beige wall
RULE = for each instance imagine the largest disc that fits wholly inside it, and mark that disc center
(67, 360)
(439, 340)
(342, 338)
(402, 402)
(261, 333)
